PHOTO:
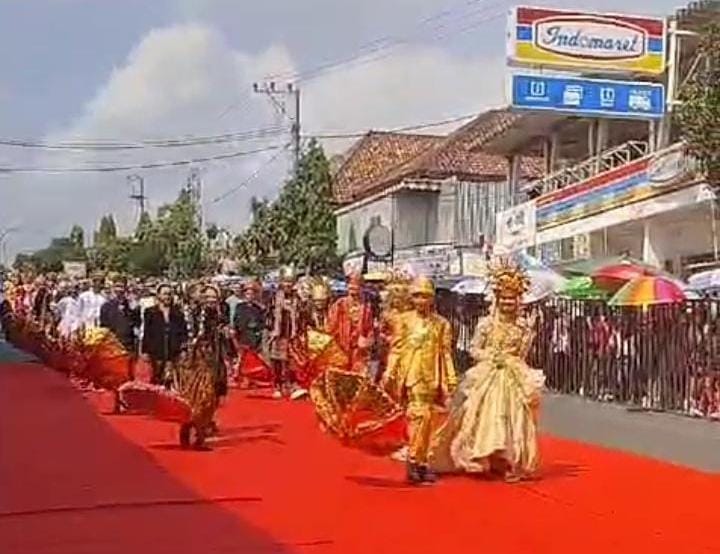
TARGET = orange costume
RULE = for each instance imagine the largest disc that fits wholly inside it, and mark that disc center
(350, 321)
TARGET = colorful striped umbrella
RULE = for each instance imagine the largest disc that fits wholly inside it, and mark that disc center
(647, 290)
(613, 277)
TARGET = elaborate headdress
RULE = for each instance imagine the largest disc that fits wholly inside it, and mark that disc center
(422, 285)
(508, 280)
(320, 290)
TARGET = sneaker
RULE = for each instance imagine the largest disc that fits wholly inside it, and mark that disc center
(277, 394)
(298, 393)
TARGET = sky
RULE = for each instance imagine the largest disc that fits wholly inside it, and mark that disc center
(133, 70)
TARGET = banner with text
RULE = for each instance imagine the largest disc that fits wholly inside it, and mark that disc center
(586, 40)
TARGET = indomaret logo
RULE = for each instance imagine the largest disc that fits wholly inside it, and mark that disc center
(586, 37)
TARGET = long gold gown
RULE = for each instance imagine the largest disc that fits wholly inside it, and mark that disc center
(492, 418)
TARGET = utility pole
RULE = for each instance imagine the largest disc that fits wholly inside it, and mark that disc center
(290, 90)
(137, 194)
(194, 188)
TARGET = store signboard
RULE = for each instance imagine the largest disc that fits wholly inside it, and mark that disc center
(642, 179)
(75, 270)
(588, 97)
(671, 167)
(586, 40)
(515, 227)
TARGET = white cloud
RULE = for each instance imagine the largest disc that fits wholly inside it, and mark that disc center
(179, 80)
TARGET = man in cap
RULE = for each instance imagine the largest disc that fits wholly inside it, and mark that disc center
(423, 377)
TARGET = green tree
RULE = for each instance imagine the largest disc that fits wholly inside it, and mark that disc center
(299, 226)
(179, 235)
(107, 231)
(699, 111)
(60, 249)
(77, 237)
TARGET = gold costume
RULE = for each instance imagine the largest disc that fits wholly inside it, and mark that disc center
(422, 374)
(492, 424)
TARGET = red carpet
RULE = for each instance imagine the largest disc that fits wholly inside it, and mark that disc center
(73, 482)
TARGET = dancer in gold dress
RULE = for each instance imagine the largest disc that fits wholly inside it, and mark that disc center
(492, 424)
(422, 377)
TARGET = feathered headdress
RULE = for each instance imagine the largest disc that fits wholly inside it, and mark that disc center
(508, 280)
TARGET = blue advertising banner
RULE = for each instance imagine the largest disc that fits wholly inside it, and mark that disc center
(588, 97)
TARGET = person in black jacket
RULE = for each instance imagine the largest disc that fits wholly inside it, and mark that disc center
(250, 318)
(119, 317)
(165, 335)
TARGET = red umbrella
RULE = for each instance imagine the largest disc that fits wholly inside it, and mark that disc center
(613, 277)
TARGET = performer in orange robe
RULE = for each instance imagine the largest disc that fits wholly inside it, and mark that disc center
(350, 321)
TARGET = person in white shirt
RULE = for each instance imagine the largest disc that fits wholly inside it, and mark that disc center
(90, 303)
(68, 312)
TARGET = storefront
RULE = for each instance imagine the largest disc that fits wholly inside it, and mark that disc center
(656, 208)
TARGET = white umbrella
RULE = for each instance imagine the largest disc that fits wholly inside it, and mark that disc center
(476, 285)
(705, 280)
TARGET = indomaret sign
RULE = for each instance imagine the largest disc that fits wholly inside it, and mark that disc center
(564, 39)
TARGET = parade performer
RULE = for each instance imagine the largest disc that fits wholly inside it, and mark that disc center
(396, 303)
(200, 376)
(492, 423)
(351, 322)
(285, 328)
(315, 349)
(423, 377)
(211, 337)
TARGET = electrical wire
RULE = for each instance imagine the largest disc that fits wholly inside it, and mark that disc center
(253, 134)
(408, 128)
(250, 177)
(154, 165)
(374, 50)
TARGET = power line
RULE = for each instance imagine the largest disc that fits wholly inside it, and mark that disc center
(377, 46)
(251, 177)
(396, 129)
(156, 165)
(114, 144)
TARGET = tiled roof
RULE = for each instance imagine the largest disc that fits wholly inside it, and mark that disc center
(460, 154)
(380, 160)
(374, 155)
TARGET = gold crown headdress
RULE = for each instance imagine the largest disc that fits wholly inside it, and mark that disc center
(422, 285)
(320, 290)
(508, 280)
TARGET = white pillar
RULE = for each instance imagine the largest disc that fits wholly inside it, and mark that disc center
(651, 251)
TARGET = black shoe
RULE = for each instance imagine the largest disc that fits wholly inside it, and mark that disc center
(413, 474)
(427, 475)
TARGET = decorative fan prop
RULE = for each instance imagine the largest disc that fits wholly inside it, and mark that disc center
(353, 408)
(155, 401)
